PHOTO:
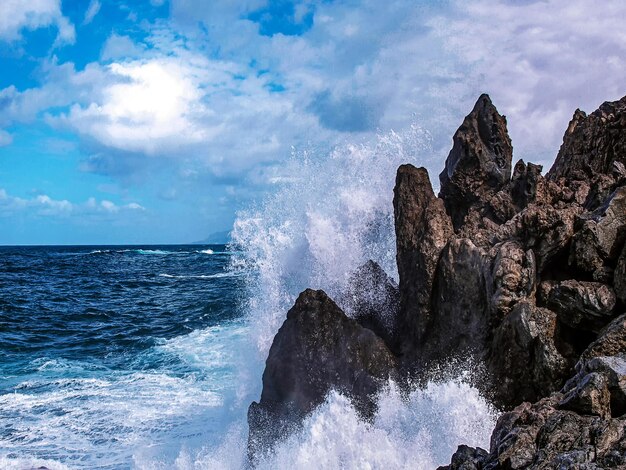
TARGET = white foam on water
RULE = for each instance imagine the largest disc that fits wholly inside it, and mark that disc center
(333, 215)
(96, 418)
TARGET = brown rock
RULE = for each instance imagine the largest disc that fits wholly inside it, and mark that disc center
(479, 164)
(583, 305)
(592, 144)
(523, 360)
(422, 230)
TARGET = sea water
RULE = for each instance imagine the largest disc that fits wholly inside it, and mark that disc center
(148, 356)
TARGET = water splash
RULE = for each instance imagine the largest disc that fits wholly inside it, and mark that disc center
(332, 215)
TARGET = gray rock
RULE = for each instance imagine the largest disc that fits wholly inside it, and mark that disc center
(601, 238)
(372, 299)
(317, 349)
(590, 396)
(619, 276)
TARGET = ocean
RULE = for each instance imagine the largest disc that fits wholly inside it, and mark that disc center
(147, 357)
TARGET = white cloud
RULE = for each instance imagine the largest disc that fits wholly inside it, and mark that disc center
(120, 47)
(44, 205)
(16, 15)
(228, 102)
(92, 11)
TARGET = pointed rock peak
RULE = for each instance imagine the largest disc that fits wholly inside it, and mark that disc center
(479, 163)
(593, 144)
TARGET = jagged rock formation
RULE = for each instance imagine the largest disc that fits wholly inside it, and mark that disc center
(318, 348)
(521, 273)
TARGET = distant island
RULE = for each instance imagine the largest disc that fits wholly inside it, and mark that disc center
(216, 238)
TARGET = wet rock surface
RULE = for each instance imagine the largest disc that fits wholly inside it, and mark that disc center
(522, 273)
(318, 348)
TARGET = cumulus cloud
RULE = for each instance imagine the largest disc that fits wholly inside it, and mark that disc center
(17, 15)
(231, 98)
(44, 205)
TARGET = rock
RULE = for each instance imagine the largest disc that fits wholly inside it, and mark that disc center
(513, 277)
(461, 325)
(524, 183)
(613, 369)
(592, 144)
(373, 300)
(422, 230)
(524, 362)
(543, 228)
(467, 458)
(610, 342)
(582, 305)
(619, 276)
(543, 436)
(479, 164)
(317, 349)
(590, 396)
(599, 241)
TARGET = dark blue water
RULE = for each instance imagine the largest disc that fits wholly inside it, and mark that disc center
(113, 355)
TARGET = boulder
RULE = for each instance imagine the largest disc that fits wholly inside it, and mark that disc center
(317, 349)
(479, 164)
(422, 230)
(523, 361)
(611, 341)
(582, 305)
(600, 239)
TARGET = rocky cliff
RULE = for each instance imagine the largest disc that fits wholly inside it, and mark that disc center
(521, 273)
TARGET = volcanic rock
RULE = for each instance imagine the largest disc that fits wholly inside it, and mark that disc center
(581, 304)
(373, 300)
(592, 144)
(479, 164)
(422, 230)
(524, 361)
(317, 349)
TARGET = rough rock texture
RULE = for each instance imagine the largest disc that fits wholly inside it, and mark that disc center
(318, 348)
(422, 230)
(479, 164)
(592, 144)
(522, 273)
(581, 304)
(523, 358)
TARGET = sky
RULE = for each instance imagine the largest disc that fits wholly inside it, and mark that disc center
(155, 121)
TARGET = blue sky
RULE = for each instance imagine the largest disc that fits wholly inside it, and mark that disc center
(155, 121)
